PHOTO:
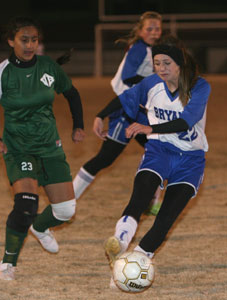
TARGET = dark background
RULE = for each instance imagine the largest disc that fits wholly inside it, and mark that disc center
(164, 6)
(71, 24)
(72, 21)
(64, 21)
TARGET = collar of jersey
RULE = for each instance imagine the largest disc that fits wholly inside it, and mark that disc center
(142, 41)
(22, 64)
(172, 95)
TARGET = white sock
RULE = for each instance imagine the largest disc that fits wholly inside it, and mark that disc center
(82, 180)
(125, 231)
(149, 254)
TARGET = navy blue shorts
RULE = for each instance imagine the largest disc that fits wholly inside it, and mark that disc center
(175, 167)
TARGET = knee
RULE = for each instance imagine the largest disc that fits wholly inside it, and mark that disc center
(64, 211)
(24, 211)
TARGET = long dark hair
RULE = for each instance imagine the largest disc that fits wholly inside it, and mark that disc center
(16, 23)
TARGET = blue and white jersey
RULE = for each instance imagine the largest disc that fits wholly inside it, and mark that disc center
(137, 61)
(153, 93)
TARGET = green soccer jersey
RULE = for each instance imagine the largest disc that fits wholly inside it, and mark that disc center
(27, 93)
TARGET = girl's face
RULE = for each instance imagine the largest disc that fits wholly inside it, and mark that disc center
(25, 43)
(167, 69)
(151, 31)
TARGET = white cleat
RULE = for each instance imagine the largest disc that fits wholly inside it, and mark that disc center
(46, 239)
(6, 271)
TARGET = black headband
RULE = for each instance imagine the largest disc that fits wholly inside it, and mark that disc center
(175, 53)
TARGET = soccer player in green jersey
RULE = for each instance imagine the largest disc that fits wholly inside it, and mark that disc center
(31, 145)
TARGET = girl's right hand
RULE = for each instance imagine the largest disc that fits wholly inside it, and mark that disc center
(98, 128)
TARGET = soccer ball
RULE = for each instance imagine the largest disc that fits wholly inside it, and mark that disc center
(133, 272)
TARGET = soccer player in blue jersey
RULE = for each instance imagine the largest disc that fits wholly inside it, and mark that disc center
(31, 145)
(136, 65)
(176, 101)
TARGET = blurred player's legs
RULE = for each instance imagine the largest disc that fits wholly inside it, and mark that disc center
(109, 151)
(82, 180)
(155, 204)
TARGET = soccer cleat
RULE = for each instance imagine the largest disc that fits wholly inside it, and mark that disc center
(6, 271)
(112, 248)
(46, 239)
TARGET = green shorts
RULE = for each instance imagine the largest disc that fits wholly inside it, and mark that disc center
(45, 170)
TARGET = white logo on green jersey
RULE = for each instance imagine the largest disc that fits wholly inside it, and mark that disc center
(47, 79)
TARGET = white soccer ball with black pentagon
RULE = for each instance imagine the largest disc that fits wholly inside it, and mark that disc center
(133, 272)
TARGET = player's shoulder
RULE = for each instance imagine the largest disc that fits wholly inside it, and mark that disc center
(45, 62)
(45, 59)
(153, 78)
(4, 63)
(150, 82)
(138, 46)
(202, 80)
(3, 66)
(202, 83)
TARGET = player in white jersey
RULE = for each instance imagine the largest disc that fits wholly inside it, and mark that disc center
(176, 100)
(136, 65)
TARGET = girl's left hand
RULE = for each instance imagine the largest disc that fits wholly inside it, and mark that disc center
(3, 148)
(98, 128)
(136, 128)
(78, 135)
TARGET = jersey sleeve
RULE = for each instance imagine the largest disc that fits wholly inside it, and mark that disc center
(133, 60)
(194, 110)
(134, 97)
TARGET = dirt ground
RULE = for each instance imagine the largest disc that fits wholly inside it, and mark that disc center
(190, 265)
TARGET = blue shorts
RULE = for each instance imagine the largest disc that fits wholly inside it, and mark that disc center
(117, 127)
(175, 167)
(119, 121)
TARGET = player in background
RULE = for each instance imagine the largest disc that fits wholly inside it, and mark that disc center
(176, 99)
(136, 65)
(31, 145)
